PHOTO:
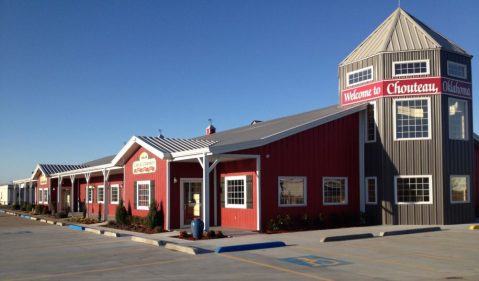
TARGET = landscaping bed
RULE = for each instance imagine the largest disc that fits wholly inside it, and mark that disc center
(206, 235)
(136, 227)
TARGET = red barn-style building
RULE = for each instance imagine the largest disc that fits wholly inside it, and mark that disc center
(398, 149)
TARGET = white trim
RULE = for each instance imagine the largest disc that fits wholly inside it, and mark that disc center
(375, 190)
(373, 103)
(245, 190)
(258, 192)
(346, 199)
(428, 71)
(466, 119)
(413, 203)
(111, 194)
(305, 191)
(182, 198)
(360, 70)
(98, 194)
(468, 189)
(92, 188)
(457, 64)
(138, 207)
(429, 117)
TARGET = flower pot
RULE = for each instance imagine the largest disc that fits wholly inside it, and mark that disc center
(197, 226)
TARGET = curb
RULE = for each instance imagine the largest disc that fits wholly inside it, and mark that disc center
(96, 231)
(409, 231)
(474, 227)
(346, 237)
(51, 222)
(153, 242)
(60, 223)
(182, 249)
(76, 227)
(43, 220)
(34, 218)
(111, 234)
(254, 246)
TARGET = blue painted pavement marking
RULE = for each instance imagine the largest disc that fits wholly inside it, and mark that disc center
(315, 261)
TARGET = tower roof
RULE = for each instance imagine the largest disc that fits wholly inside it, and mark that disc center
(401, 32)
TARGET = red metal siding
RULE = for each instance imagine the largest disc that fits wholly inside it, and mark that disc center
(41, 186)
(329, 150)
(95, 182)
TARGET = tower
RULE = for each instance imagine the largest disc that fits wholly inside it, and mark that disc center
(417, 131)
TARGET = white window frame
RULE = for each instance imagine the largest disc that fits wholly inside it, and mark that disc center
(359, 70)
(346, 192)
(138, 207)
(90, 188)
(466, 118)
(305, 191)
(115, 186)
(236, 206)
(457, 64)
(102, 187)
(375, 190)
(40, 196)
(373, 104)
(428, 68)
(429, 132)
(468, 183)
(413, 203)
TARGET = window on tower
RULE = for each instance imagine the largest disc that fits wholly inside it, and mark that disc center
(408, 68)
(359, 76)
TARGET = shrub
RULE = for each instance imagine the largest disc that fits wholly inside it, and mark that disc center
(99, 212)
(210, 234)
(152, 217)
(280, 222)
(38, 209)
(23, 207)
(183, 234)
(16, 206)
(130, 214)
(121, 215)
(45, 210)
(61, 215)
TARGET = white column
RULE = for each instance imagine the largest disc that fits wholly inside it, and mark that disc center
(106, 197)
(72, 199)
(206, 192)
(31, 193)
(59, 194)
(24, 193)
(87, 189)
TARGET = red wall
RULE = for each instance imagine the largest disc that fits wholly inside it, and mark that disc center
(330, 150)
(41, 186)
(95, 182)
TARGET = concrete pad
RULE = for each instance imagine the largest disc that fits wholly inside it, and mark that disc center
(111, 234)
(474, 227)
(409, 231)
(153, 242)
(182, 249)
(92, 230)
(347, 237)
(252, 246)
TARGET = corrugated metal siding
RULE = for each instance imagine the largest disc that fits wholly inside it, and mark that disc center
(433, 56)
(445, 56)
(376, 62)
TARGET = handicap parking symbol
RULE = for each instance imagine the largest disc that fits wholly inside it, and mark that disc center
(315, 261)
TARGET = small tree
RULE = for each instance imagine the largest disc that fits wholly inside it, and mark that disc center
(99, 212)
(121, 215)
(152, 218)
(130, 214)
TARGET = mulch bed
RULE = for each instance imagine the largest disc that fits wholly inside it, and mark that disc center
(134, 227)
(206, 236)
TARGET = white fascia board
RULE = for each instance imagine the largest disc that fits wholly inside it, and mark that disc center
(37, 168)
(286, 133)
(92, 169)
(22, 181)
(124, 150)
(131, 146)
(190, 153)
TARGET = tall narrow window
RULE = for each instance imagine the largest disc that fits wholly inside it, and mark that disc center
(335, 191)
(115, 194)
(292, 191)
(45, 196)
(413, 189)
(40, 195)
(143, 195)
(235, 192)
(457, 70)
(371, 190)
(460, 189)
(406, 68)
(412, 119)
(371, 122)
(100, 193)
(359, 76)
(457, 119)
(90, 194)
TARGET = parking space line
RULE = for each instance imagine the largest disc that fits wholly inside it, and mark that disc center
(83, 272)
(283, 269)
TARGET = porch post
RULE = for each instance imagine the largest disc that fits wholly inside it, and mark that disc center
(59, 194)
(206, 191)
(72, 199)
(14, 194)
(87, 189)
(106, 175)
(31, 192)
(24, 192)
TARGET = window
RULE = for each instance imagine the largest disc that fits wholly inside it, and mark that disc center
(100, 194)
(371, 122)
(457, 119)
(292, 191)
(371, 190)
(90, 194)
(413, 189)
(406, 68)
(45, 196)
(460, 189)
(143, 195)
(361, 75)
(235, 188)
(115, 194)
(335, 191)
(412, 119)
(457, 70)
(40, 195)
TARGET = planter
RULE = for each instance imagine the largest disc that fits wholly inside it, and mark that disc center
(197, 226)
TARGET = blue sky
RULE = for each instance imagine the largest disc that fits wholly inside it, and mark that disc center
(79, 78)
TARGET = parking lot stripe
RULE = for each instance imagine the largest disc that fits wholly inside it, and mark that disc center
(83, 272)
(315, 277)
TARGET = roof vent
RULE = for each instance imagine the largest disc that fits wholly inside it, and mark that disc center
(161, 134)
(210, 129)
(255, 122)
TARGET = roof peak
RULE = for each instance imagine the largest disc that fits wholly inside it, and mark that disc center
(400, 32)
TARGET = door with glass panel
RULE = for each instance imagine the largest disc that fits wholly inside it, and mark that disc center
(191, 197)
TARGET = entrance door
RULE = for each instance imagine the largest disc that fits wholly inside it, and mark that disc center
(191, 198)
(66, 198)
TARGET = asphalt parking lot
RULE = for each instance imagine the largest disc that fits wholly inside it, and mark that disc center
(31, 250)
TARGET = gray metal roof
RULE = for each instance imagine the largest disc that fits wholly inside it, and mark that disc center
(172, 145)
(401, 32)
(99, 161)
(49, 169)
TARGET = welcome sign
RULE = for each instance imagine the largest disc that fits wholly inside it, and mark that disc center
(144, 164)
